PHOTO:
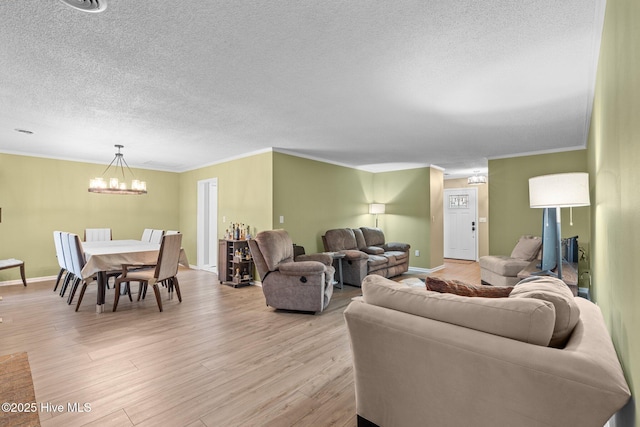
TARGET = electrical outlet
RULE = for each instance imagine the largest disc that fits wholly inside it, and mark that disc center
(224, 218)
(417, 252)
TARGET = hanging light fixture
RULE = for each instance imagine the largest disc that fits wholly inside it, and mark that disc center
(114, 186)
(477, 179)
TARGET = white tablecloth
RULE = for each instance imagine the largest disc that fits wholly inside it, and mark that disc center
(109, 255)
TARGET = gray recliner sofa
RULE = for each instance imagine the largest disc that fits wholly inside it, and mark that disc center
(366, 252)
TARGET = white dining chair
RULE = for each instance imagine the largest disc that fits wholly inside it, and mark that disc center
(97, 234)
(57, 236)
(66, 251)
(146, 235)
(156, 236)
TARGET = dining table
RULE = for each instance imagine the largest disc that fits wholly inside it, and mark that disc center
(107, 256)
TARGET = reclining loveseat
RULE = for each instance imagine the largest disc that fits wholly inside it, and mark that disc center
(366, 253)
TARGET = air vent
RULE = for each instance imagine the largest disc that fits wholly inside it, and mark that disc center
(92, 6)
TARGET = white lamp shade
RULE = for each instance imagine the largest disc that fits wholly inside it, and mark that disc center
(376, 208)
(560, 190)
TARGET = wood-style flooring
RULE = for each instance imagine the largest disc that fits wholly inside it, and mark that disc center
(219, 358)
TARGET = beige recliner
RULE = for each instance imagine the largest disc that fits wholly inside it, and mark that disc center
(501, 270)
(305, 284)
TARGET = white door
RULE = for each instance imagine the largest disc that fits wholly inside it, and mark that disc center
(207, 237)
(461, 223)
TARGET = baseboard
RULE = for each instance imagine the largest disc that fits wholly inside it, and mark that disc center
(29, 280)
(418, 270)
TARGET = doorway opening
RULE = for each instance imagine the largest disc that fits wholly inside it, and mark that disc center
(207, 225)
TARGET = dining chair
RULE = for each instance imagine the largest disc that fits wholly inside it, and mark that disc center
(66, 251)
(57, 236)
(156, 236)
(77, 263)
(146, 235)
(97, 234)
(166, 269)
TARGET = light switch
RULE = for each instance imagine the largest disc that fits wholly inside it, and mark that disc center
(281, 219)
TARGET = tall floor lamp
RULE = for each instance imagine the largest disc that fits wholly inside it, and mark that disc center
(375, 209)
(562, 190)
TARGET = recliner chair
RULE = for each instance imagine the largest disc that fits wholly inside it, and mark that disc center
(305, 285)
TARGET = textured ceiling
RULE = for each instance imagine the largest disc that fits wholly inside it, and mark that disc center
(378, 85)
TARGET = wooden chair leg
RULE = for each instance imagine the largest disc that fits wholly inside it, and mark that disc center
(67, 279)
(72, 293)
(58, 279)
(116, 298)
(175, 283)
(156, 290)
(24, 280)
(84, 288)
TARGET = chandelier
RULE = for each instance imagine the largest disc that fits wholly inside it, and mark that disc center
(477, 179)
(114, 186)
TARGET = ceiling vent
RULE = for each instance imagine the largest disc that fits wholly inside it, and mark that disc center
(92, 6)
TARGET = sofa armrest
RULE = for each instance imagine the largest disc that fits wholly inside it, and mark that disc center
(354, 255)
(302, 268)
(324, 258)
(396, 246)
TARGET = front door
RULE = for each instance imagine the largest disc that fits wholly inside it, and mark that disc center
(461, 223)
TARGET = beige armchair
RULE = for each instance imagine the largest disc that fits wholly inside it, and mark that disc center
(502, 270)
(305, 285)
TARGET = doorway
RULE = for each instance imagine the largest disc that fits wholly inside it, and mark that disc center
(461, 223)
(207, 227)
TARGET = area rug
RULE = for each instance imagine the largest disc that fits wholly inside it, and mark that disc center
(18, 397)
(414, 282)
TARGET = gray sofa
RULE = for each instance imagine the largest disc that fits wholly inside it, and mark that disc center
(424, 358)
(366, 252)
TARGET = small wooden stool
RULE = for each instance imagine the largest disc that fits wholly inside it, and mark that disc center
(11, 263)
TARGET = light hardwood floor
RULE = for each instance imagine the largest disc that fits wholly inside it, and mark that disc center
(219, 358)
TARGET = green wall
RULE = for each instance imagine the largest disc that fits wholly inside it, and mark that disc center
(509, 213)
(245, 195)
(314, 197)
(614, 156)
(407, 215)
(39, 195)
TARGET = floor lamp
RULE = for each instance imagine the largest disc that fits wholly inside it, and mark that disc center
(376, 208)
(562, 190)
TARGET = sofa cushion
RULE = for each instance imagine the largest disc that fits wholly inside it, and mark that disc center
(373, 250)
(373, 236)
(340, 239)
(377, 260)
(360, 242)
(503, 265)
(527, 248)
(525, 319)
(276, 247)
(397, 255)
(558, 293)
(457, 287)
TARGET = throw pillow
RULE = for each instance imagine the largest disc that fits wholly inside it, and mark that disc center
(457, 287)
(558, 293)
(527, 248)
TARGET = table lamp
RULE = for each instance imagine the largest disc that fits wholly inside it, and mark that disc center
(562, 190)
